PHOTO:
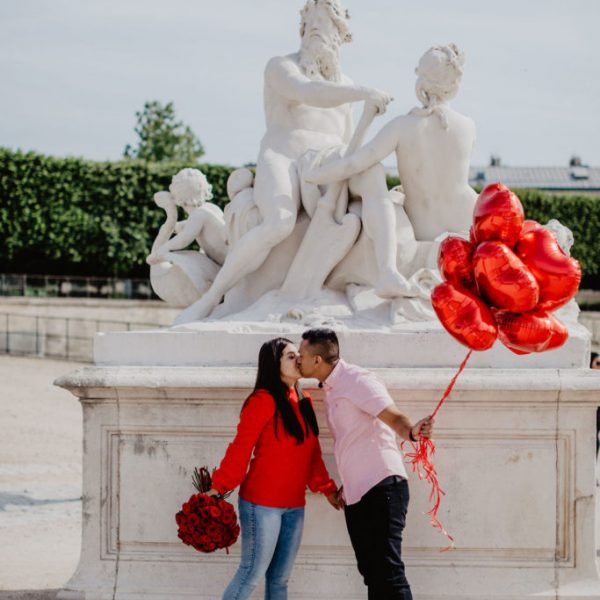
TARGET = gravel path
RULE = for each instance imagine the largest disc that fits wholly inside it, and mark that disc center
(40, 478)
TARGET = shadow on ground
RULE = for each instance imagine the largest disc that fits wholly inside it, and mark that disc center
(23, 500)
(28, 594)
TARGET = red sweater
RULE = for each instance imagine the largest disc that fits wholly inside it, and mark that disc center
(280, 469)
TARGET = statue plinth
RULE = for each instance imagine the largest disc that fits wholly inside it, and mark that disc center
(516, 450)
(414, 345)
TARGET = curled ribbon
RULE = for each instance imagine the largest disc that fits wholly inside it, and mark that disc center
(421, 457)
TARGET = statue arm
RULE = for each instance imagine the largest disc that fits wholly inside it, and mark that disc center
(285, 77)
(190, 231)
(382, 145)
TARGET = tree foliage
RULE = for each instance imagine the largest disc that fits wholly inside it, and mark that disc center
(162, 137)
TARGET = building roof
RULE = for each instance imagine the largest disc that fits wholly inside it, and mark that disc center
(573, 178)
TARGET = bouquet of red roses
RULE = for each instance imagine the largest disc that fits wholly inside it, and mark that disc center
(207, 523)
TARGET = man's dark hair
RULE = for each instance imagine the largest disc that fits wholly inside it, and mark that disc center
(324, 342)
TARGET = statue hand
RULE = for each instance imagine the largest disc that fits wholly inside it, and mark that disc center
(153, 259)
(311, 176)
(163, 199)
(379, 100)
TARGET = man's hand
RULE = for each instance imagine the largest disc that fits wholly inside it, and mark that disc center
(212, 492)
(423, 428)
(378, 99)
(336, 499)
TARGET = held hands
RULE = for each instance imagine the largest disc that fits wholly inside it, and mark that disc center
(378, 99)
(336, 499)
(423, 428)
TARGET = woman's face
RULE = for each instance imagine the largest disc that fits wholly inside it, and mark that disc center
(288, 365)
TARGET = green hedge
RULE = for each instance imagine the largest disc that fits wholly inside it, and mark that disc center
(71, 216)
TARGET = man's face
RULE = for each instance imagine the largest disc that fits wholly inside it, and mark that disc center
(320, 29)
(307, 362)
(595, 363)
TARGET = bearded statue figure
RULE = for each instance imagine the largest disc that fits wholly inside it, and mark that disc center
(307, 102)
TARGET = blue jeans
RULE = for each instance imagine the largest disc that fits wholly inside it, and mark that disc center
(270, 541)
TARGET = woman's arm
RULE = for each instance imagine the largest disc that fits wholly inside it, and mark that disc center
(382, 145)
(318, 478)
(256, 414)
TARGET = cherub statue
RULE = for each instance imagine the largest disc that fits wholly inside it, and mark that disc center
(181, 276)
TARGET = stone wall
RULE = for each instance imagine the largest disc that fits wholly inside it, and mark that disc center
(591, 321)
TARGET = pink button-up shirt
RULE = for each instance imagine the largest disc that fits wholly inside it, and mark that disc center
(365, 448)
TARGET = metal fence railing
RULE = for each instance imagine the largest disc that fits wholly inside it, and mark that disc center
(67, 286)
(56, 337)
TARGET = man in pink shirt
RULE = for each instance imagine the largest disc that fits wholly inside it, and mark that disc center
(364, 422)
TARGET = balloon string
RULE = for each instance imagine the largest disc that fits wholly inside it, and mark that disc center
(420, 460)
(452, 382)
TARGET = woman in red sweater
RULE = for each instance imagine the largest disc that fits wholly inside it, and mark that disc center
(282, 430)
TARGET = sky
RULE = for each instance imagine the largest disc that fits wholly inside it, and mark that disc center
(74, 72)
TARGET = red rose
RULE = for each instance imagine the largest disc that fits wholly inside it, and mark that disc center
(186, 508)
(215, 512)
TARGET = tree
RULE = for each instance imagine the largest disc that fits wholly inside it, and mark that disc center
(162, 137)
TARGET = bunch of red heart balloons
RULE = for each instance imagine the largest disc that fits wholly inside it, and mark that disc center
(506, 280)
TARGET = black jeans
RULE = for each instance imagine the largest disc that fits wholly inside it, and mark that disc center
(375, 525)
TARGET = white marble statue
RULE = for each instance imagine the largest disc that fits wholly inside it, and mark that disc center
(316, 231)
(307, 103)
(432, 144)
(181, 276)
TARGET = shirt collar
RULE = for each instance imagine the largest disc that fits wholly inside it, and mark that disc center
(333, 377)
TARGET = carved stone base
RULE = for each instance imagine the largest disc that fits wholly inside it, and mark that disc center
(516, 451)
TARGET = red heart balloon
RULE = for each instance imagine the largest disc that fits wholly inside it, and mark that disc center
(529, 225)
(557, 274)
(525, 332)
(559, 335)
(465, 316)
(503, 280)
(454, 262)
(472, 236)
(498, 215)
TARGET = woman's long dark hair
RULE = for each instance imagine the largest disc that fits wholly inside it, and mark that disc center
(268, 378)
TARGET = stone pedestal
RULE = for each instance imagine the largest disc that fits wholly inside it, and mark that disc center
(516, 456)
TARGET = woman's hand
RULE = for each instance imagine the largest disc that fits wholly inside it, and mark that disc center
(212, 492)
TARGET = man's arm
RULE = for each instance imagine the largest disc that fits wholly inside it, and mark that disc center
(285, 76)
(402, 425)
(382, 145)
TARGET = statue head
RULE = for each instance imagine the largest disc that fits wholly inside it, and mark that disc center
(439, 74)
(323, 29)
(190, 188)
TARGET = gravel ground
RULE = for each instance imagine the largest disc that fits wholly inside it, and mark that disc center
(40, 478)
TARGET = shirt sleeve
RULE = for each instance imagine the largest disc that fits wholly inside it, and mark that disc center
(370, 394)
(319, 479)
(255, 415)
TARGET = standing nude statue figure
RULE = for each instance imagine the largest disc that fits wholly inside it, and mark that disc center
(433, 146)
(307, 107)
